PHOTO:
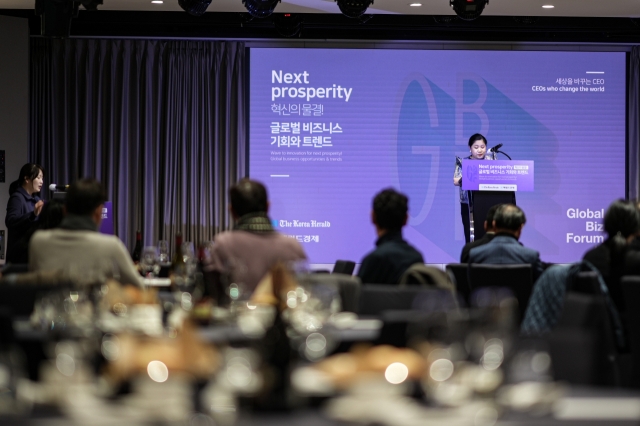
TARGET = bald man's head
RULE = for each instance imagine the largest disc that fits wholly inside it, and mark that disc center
(510, 219)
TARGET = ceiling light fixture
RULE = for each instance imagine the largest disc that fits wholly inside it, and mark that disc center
(194, 7)
(468, 9)
(260, 8)
(288, 24)
(354, 8)
(157, 1)
(548, 6)
(415, 4)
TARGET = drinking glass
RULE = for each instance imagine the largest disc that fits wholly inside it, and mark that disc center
(188, 251)
(233, 281)
(163, 252)
(149, 262)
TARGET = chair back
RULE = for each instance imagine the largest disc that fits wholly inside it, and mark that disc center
(344, 267)
(458, 273)
(589, 282)
(517, 278)
(15, 268)
(426, 276)
(404, 311)
(377, 298)
(586, 283)
(400, 327)
(348, 287)
(19, 300)
(574, 355)
(589, 313)
(18, 293)
(631, 292)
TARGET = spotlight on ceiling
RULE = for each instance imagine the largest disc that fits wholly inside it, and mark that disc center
(468, 9)
(260, 8)
(194, 7)
(354, 8)
(288, 24)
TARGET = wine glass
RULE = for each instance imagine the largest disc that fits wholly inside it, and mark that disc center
(190, 261)
(149, 262)
(163, 252)
(234, 279)
(188, 251)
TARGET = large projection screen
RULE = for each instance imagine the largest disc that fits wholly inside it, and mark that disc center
(329, 128)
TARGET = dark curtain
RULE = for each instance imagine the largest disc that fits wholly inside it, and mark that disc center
(634, 124)
(160, 123)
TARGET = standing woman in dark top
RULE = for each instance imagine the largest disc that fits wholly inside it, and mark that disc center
(24, 205)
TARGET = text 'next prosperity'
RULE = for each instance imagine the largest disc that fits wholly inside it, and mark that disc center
(335, 91)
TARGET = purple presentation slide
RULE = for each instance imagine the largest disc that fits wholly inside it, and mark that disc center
(106, 226)
(329, 128)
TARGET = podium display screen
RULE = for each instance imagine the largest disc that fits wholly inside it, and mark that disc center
(498, 175)
(329, 128)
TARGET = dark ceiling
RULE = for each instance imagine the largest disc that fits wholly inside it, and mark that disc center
(318, 26)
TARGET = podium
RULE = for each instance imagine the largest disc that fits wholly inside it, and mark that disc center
(490, 183)
(479, 204)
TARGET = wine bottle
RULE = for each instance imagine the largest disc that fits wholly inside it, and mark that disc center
(199, 280)
(178, 265)
(137, 250)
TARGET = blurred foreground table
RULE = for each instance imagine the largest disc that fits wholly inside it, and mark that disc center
(582, 406)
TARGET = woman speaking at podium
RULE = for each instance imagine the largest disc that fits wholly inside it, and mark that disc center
(24, 206)
(478, 149)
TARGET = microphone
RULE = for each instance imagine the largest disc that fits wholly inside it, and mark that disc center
(495, 148)
(55, 186)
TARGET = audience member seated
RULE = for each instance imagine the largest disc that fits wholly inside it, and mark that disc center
(622, 225)
(547, 299)
(612, 259)
(632, 257)
(77, 248)
(489, 233)
(505, 248)
(253, 247)
(50, 217)
(393, 255)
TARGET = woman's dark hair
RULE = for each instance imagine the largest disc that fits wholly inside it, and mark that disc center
(28, 171)
(477, 137)
(621, 220)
